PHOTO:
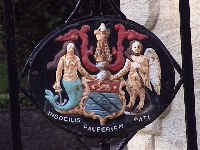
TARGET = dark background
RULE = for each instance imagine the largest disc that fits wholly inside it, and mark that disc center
(33, 21)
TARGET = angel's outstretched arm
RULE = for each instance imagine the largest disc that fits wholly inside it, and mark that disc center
(123, 71)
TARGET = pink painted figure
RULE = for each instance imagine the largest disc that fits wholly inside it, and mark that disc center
(138, 77)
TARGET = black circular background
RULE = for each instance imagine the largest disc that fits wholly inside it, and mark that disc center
(39, 78)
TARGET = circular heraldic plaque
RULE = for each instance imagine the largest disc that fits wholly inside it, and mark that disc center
(101, 77)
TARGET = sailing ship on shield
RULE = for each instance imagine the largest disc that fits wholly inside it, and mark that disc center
(101, 95)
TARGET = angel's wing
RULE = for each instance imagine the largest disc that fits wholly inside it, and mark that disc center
(154, 69)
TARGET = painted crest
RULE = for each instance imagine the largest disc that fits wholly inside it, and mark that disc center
(98, 77)
(100, 96)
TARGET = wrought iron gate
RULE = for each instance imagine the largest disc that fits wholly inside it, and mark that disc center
(186, 73)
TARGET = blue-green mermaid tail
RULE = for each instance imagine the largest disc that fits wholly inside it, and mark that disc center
(74, 91)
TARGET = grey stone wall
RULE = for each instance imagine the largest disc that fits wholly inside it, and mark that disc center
(162, 18)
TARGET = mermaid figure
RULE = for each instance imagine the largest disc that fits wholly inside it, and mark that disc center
(68, 64)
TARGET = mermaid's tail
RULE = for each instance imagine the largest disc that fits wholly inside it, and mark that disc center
(74, 91)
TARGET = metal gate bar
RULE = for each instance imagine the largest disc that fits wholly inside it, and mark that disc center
(12, 73)
(187, 65)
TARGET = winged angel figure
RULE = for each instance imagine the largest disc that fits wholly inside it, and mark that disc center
(142, 69)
